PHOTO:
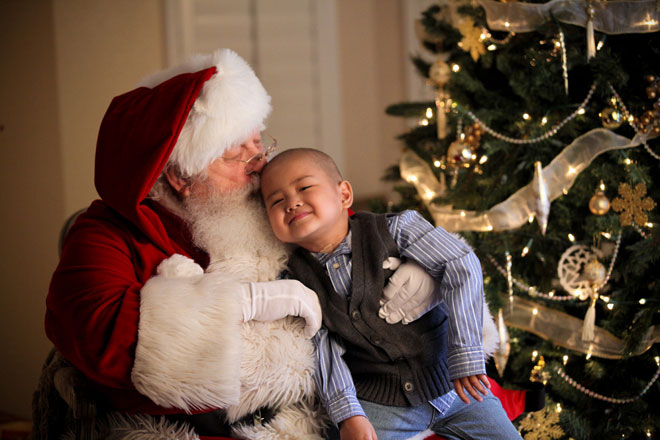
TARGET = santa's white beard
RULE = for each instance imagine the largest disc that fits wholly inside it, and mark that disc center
(234, 229)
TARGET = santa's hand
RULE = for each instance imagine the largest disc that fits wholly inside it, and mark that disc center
(273, 300)
(409, 294)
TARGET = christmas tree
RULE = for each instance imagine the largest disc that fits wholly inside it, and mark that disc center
(540, 149)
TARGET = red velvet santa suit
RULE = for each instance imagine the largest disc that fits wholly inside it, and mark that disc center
(93, 304)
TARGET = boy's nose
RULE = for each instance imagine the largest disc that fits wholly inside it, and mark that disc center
(293, 205)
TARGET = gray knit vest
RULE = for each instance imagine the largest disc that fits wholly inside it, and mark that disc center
(391, 364)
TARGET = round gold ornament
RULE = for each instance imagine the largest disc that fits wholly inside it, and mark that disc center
(439, 73)
(595, 272)
(611, 118)
(459, 154)
(599, 204)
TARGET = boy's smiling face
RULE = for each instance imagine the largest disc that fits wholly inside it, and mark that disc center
(305, 205)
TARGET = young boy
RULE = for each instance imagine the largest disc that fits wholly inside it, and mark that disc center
(401, 376)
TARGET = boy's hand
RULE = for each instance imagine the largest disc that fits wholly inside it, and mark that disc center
(473, 385)
(357, 428)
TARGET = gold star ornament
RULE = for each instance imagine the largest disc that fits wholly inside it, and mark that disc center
(632, 204)
(472, 41)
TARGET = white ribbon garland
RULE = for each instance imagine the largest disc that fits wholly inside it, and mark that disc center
(609, 17)
(559, 176)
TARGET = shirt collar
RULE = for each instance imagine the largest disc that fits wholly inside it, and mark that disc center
(343, 249)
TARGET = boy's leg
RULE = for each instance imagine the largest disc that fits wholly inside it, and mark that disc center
(476, 420)
(398, 423)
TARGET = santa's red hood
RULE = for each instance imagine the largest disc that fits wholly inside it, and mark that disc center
(136, 138)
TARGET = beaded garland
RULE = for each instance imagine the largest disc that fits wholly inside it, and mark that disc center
(595, 395)
(547, 135)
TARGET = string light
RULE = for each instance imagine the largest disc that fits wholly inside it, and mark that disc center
(483, 159)
(610, 306)
(526, 116)
(642, 301)
(627, 161)
(424, 122)
(525, 250)
(429, 112)
(565, 359)
(544, 120)
(558, 408)
(581, 111)
(606, 235)
(571, 237)
(437, 163)
(534, 355)
(491, 47)
(455, 68)
(588, 356)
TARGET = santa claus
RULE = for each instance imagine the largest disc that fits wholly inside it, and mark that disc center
(167, 298)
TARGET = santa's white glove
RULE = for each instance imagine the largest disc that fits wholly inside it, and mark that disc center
(410, 293)
(273, 300)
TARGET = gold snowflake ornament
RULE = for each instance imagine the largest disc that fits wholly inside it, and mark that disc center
(472, 41)
(632, 204)
(542, 425)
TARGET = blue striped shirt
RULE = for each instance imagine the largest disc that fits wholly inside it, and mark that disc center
(448, 260)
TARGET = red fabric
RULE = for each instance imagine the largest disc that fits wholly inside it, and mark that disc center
(115, 246)
(513, 401)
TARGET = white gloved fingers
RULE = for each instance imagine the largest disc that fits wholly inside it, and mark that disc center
(391, 263)
(273, 300)
(313, 319)
(409, 294)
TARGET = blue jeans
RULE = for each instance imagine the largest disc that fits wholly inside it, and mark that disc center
(477, 420)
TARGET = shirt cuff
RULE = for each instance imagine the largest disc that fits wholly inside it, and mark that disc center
(466, 361)
(343, 407)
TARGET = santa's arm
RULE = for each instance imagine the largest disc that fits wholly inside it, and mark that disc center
(185, 352)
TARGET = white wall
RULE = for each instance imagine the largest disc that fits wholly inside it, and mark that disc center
(63, 61)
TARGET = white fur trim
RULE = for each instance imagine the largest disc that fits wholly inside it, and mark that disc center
(491, 336)
(189, 341)
(233, 104)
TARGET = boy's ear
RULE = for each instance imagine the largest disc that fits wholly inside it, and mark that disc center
(179, 184)
(346, 192)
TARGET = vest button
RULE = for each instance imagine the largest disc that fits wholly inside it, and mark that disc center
(376, 340)
(355, 314)
(335, 265)
(408, 386)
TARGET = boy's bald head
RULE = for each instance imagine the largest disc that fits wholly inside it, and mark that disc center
(319, 158)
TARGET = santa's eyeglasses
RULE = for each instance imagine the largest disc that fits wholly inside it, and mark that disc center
(269, 145)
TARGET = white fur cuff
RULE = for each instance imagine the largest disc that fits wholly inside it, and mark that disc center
(189, 340)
